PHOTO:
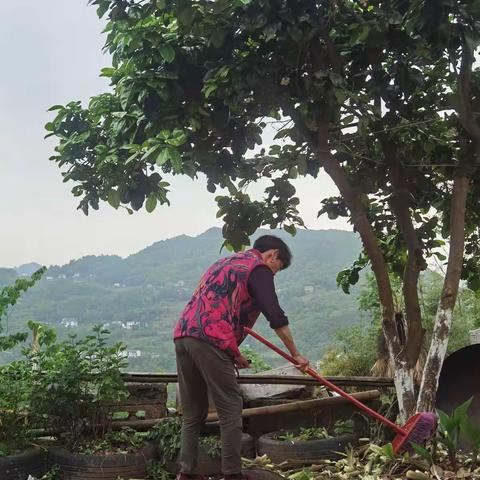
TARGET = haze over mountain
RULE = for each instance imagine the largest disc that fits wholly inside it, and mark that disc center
(139, 298)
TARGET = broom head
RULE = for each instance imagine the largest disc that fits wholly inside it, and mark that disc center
(418, 429)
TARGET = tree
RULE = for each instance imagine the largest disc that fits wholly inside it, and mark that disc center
(368, 91)
(9, 296)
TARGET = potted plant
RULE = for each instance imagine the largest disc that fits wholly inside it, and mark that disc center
(307, 443)
(76, 386)
(18, 456)
(166, 435)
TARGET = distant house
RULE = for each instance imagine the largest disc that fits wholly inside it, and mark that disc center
(76, 275)
(62, 276)
(49, 278)
(309, 289)
(180, 284)
(69, 322)
(130, 325)
(131, 354)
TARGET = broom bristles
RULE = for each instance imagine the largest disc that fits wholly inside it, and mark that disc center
(418, 430)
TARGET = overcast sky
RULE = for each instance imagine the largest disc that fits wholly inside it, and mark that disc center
(51, 53)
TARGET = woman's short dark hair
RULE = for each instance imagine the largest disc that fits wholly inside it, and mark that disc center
(270, 242)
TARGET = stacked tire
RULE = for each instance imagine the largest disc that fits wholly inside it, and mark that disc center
(19, 467)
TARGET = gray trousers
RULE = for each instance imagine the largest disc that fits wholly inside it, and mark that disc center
(202, 369)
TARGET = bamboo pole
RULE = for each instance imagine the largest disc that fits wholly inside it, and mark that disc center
(316, 404)
(371, 382)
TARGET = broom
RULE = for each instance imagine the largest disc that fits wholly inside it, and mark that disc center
(417, 429)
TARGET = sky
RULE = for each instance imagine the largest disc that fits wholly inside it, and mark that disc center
(52, 54)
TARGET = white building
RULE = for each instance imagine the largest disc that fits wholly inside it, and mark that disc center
(69, 322)
(133, 353)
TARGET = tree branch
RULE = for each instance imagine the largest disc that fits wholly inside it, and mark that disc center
(415, 262)
(465, 85)
(444, 317)
(364, 228)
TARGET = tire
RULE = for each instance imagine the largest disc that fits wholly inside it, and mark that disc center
(76, 466)
(262, 474)
(19, 467)
(278, 451)
(207, 465)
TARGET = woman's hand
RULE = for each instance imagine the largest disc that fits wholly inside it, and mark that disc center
(301, 362)
(241, 362)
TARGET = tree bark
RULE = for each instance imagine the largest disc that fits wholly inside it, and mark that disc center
(403, 377)
(415, 262)
(444, 316)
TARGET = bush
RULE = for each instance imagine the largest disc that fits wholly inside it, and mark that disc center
(15, 392)
(76, 382)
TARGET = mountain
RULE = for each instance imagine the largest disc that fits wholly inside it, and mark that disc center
(139, 298)
(27, 269)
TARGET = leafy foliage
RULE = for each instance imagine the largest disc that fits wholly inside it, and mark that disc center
(75, 384)
(15, 396)
(355, 349)
(257, 363)
(8, 298)
(450, 428)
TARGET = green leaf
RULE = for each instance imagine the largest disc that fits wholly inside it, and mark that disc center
(114, 198)
(163, 157)
(108, 72)
(175, 160)
(102, 9)
(422, 452)
(387, 450)
(167, 52)
(151, 151)
(120, 415)
(461, 411)
(209, 89)
(285, 132)
(151, 203)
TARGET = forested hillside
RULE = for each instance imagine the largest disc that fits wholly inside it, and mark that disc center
(139, 298)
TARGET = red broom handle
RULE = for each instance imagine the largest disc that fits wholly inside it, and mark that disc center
(328, 384)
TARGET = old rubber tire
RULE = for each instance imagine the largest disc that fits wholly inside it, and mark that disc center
(208, 465)
(262, 474)
(77, 466)
(278, 451)
(20, 466)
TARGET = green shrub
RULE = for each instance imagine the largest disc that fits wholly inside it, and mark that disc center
(76, 382)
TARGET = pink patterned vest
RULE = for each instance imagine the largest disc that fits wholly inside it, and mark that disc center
(221, 305)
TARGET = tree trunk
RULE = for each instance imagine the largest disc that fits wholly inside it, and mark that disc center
(400, 202)
(405, 388)
(404, 374)
(443, 320)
